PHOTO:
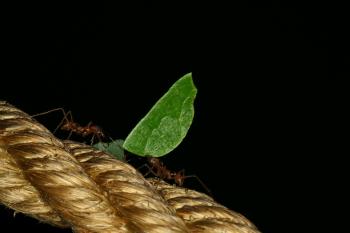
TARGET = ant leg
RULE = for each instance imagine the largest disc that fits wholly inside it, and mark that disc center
(92, 139)
(65, 116)
(64, 119)
(70, 134)
(150, 170)
(142, 166)
(201, 182)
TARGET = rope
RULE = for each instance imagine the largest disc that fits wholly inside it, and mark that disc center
(69, 184)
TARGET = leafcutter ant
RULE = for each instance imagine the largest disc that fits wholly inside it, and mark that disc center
(158, 169)
(68, 124)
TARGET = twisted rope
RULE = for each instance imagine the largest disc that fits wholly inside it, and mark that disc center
(68, 184)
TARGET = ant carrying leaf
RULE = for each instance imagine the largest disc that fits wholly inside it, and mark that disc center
(158, 169)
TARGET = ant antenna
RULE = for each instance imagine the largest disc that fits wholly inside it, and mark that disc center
(65, 117)
(47, 112)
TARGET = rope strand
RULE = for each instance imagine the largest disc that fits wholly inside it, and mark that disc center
(69, 184)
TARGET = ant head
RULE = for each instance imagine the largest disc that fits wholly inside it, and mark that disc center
(152, 160)
(98, 131)
(179, 178)
(94, 128)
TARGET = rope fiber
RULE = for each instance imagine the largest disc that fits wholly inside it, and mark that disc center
(73, 185)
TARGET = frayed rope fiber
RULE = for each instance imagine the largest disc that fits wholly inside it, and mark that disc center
(72, 185)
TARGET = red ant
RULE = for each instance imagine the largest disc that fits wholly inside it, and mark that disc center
(73, 127)
(158, 169)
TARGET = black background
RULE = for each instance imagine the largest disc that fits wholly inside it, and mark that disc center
(266, 133)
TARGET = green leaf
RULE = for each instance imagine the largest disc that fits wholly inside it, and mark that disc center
(167, 123)
(114, 148)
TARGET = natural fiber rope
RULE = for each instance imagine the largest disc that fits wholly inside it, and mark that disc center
(128, 191)
(56, 174)
(68, 184)
(200, 212)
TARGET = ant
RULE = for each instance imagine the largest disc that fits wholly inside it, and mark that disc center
(73, 127)
(158, 169)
